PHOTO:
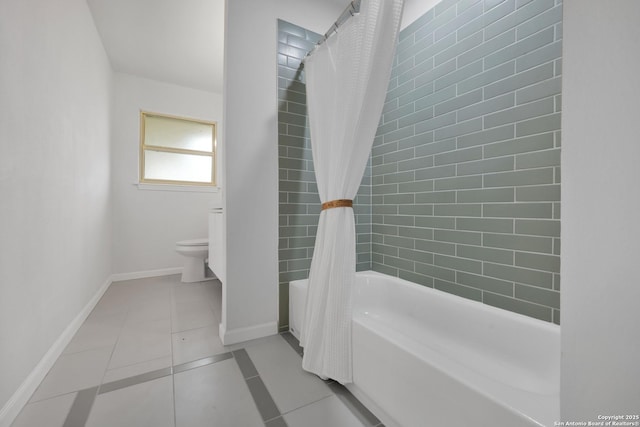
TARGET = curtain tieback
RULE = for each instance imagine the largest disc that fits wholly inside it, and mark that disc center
(339, 203)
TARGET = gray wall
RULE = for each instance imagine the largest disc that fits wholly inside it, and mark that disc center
(299, 207)
(466, 175)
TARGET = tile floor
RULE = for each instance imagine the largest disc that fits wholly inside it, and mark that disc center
(149, 355)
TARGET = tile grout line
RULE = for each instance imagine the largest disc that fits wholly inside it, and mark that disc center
(263, 400)
(83, 402)
(81, 407)
(309, 404)
(161, 373)
(293, 342)
(134, 380)
(202, 362)
(115, 344)
(173, 369)
(356, 407)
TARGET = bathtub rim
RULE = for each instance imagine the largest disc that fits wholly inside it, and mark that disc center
(552, 327)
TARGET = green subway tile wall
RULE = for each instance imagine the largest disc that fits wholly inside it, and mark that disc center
(463, 189)
(465, 177)
(299, 206)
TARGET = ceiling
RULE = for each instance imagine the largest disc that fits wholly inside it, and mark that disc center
(179, 42)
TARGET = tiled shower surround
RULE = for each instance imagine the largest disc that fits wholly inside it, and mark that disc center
(299, 207)
(466, 164)
(465, 176)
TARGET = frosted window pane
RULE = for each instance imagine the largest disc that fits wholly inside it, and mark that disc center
(176, 133)
(177, 167)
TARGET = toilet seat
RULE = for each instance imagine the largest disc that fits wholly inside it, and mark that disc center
(193, 242)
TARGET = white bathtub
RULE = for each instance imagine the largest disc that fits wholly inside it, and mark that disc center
(423, 357)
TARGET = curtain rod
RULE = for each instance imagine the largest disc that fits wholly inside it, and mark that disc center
(350, 10)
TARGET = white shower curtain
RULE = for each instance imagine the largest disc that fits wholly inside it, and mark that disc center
(347, 80)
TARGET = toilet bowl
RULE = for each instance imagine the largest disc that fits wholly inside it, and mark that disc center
(195, 252)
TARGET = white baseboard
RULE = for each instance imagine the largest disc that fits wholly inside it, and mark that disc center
(20, 398)
(234, 336)
(119, 277)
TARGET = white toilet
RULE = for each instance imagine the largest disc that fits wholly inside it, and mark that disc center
(195, 253)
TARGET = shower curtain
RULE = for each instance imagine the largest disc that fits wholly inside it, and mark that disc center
(347, 80)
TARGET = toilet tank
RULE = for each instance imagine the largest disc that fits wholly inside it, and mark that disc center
(217, 255)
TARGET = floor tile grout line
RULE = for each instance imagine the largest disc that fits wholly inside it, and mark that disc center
(273, 418)
(130, 365)
(135, 380)
(308, 404)
(268, 409)
(293, 342)
(359, 413)
(81, 407)
(173, 393)
(115, 344)
(161, 373)
(172, 304)
(266, 405)
(205, 361)
(346, 403)
(354, 405)
(282, 421)
(246, 365)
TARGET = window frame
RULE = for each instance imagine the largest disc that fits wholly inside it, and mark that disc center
(143, 147)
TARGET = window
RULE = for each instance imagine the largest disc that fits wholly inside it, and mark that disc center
(176, 150)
